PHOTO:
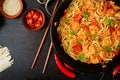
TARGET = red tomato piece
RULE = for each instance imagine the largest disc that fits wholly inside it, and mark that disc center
(35, 16)
(29, 21)
(32, 12)
(86, 28)
(37, 24)
(112, 29)
(93, 22)
(34, 19)
(77, 48)
(40, 18)
(31, 25)
(29, 15)
(77, 17)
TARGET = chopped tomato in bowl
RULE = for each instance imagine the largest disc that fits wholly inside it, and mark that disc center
(33, 19)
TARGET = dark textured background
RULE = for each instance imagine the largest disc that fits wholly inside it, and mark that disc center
(23, 45)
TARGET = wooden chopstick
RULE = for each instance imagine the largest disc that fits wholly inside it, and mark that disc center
(47, 58)
(48, 55)
(46, 31)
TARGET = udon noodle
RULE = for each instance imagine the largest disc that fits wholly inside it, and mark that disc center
(89, 31)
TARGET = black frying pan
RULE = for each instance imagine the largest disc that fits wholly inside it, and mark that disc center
(64, 57)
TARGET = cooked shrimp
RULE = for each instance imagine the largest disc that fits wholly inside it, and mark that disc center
(102, 55)
(110, 12)
(82, 34)
(107, 41)
(93, 29)
(92, 50)
(105, 32)
(94, 59)
(101, 10)
(88, 6)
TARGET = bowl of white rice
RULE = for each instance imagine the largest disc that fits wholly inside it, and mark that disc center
(11, 8)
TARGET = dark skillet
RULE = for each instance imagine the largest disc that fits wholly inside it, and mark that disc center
(79, 66)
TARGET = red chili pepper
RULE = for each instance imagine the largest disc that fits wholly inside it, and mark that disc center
(69, 67)
(115, 72)
(62, 68)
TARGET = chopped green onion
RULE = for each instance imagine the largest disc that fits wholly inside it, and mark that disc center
(72, 32)
(97, 22)
(88, 34)
(67, 21)
(96, 37)
(86, 15)
(109, 21)
(118, 46)
(108, 48)
(80, 41)
(81, 57)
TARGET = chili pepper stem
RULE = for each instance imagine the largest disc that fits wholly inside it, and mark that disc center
(102, 76)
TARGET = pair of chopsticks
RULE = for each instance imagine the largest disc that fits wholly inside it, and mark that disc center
(44, 36)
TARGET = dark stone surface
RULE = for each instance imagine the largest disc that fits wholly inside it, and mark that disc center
(23, 45)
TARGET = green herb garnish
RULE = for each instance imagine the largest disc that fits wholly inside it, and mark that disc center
(67, 21)
(81, 57)
(97, 22)
(72, 32)
(96, 37)
(118, 46)
(109, 21)
(107, 48)
(86, 15)
(88, 34)
(80, 41)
